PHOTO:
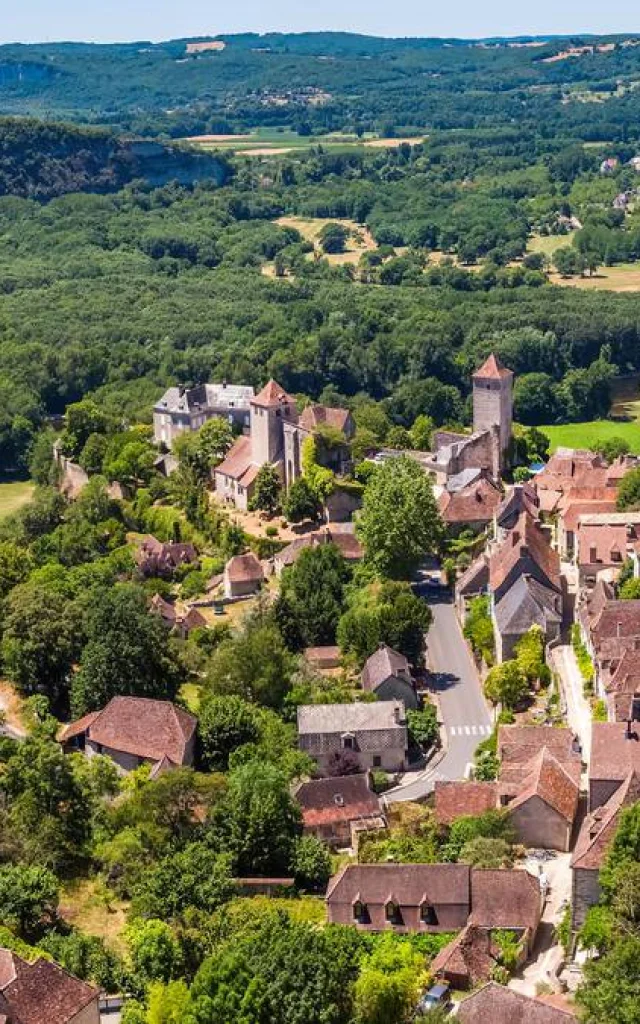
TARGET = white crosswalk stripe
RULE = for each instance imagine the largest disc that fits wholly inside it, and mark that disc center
(470, 730)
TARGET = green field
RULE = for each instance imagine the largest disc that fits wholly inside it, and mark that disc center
(13, 496)
(547, 244)
(264, 141)
(588, 435)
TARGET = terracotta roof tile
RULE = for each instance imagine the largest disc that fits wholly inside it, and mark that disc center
(151, 729)
(315, 416)
(244, 569)
(440, 883)
(599, 827)
(330, 801)
(494, 1004)
(471, 955)
(492, 369)
(505, 899)
(43, 993)
(615, 619)
(273, 394)
(613, 755)
(459, 799)
(525, 546)
(521, 743)
(238, 460)
(550, 782)
(472, 504)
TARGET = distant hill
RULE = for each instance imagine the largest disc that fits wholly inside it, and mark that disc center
(330, 81)
(42, 160)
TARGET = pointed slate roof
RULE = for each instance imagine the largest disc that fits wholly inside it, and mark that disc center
(599, 827)
(383, 663)
(527, 603)
(492, 369)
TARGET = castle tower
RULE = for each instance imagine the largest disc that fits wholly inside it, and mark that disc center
(493, 403)
(268, 411)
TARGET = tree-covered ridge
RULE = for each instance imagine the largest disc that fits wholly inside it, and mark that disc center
(41, 160)
(290, 79)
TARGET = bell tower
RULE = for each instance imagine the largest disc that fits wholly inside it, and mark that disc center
(269, 409)
(493, 403)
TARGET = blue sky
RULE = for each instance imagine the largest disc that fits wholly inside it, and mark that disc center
(109, 20)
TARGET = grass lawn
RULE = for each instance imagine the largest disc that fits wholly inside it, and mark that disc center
(82, 904)
(13, 496)
(625, 277)
(587, 435)
(191, 694)
(360, 238)
(548, 244)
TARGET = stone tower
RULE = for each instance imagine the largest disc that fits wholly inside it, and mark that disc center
(268, 411)
(493, 403)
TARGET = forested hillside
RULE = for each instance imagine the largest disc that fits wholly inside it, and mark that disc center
(331, 81)
(41, 160)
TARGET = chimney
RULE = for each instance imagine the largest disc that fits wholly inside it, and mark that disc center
(181, 390)
(618, 629)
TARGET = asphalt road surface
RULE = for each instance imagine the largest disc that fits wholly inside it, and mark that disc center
(462, 706)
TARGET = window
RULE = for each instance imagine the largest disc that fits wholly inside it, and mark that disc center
(392, 912)
(359, 911)
(348, 741)
(428, 914)
(377, 761)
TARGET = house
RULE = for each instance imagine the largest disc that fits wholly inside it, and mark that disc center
(155, 558)
(387, 674)
(134, 731)
(346, 542)
(276, 435)
(324, 659)
(518, 499)
(569, 512)
(495, 1004)
(341, 504)
(567, 469)
(620, 680)
(453, 800)
(43, 993)
(609, 628)
(330, 807)
(544, 810)
(519, 745)
(183, 409)
(400, 897)
(434, 898)
(183, 622)
(525, 587)
(243, 576)
(596, 834)
(603, 541)
(615, 753)
(500, 900)
(472, 583)
(471, 508)
(373, 735)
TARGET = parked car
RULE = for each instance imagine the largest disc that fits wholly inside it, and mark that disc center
(437, 996)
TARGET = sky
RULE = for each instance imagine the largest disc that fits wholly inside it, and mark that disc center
(120, 20)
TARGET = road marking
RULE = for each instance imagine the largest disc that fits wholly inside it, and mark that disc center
(473, 730)
(467, 730)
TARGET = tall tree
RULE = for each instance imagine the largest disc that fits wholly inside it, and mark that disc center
(399, 523)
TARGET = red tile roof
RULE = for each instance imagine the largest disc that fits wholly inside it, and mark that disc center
(331, 801)
(494, 1004)
(493, 369)
(525, 544)
(550, 782)
(599, 827)
(573, 509)
(606, 541)
(505, 899)
(273, 394)
(238, 462)
(472, 955)
(315, 416)
(521, 743)
(244, 569)
(473, 504)
(42, 992)
(151, 729)
(409, 883)
(613, 755)
(459, 799)
(615, 619)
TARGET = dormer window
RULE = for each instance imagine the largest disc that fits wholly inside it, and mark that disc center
(427, 913)
(392, 912)
(360, 914)
(348, 741)
(338, 800)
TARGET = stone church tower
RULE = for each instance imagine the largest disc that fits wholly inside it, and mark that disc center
(493, 404)
(269, 410)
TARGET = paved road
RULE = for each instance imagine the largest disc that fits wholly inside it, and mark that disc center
(462, 706)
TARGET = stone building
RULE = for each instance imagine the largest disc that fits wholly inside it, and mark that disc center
(276, 436)
(387, 674)
(183, 409)
(373, 735)
(43, 993)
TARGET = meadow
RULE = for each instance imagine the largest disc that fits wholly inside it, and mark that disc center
(13, 496)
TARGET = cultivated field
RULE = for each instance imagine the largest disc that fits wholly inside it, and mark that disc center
(271, 142)
(13, 496)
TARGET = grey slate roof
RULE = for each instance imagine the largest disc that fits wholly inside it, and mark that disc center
(211, 396)
(527, 603)
(383, 663)
(357, 717)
